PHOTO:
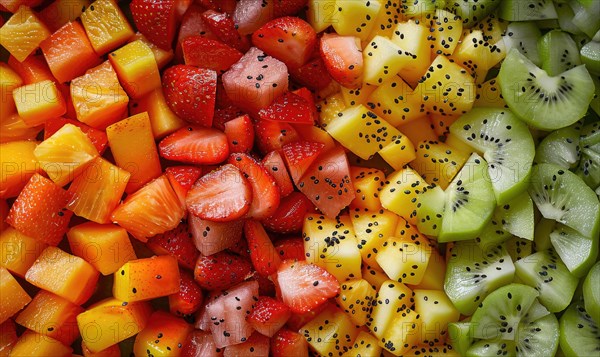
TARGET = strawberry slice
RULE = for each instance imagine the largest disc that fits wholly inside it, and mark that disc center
(182, 178)
(290, 248)
(273, 135)
(97, 137)
(289, 217)
(289, 108)
(273, 162)
(268, 315)
(206, 53)
(288, 7)
(190, 92)
(222, 25)
(221, 195)
(343, 59)
(189, 298)
(306, 286)
(195, 145)
(176, 242)
(40, 211)
(227, 6)
(262, 252)
(265, 193)
(299, 156)
(289, 39)
(192, 24)
(156, 19)
(221, 271)
(313, 74)
(240, 134)
(287, 343)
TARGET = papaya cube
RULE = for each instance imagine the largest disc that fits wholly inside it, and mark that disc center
(112, 351)
(33, 344)
(106, 246)
(111, 321)
(18, 251)
(69, 53)
(403, 332)
(8, 336)
(38, 102)
(162, 118)
(396, 102)
(14, 128)
(418, 130)
(51, 315)
(436, 312)
(132, 144)
(17, 165)
(32, 69)
(9, 80)
(60, 12)
(406, 259)
(164, 335)
(372, 229)
(136, 68)
(97, 96)
(97, 191)
(106, 26)
(97, 137)
(13, 297)
(162, 56)
(63, 274)
(23, 33)
(400, 193)
(65, 154)
(145, 279)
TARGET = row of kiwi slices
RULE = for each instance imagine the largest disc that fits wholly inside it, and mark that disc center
(520, 221)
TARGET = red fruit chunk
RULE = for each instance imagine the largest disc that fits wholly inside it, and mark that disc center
(289, 108)
(273, 162)
(262, 252)
(178, 243)
(206, 53)
(268, 316)
(195, 145)
(182, 178)
(156, 19)
(190, 92)
(192, 24)
(273, 135)
(313, 74)
(249, 15)
(290, 248)
(222, 25)
(289, 217)
(97, 137)
(227, 6)
(297, 320)
(221, 271)
(257, 345)
(200, 344)
(221, 195)
(299, 156)
(288, 7)
(265, 193)
(240, 134)
(241, 248)
(189, 298)
(287, 343)
(343, 59)
(212, 237)
(289, 39)
(305, 286)
(40, 211)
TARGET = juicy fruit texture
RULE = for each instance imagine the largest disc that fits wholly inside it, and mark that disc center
(591, 293)
(145, 279)
(23, 33)
(578, 331)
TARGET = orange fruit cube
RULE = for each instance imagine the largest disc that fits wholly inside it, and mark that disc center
(145, 279)
(3, 215)
(173, 331)
(58, 13)
(23, 33)
(13, 5)
(162, 56)
(106, 26)
(13, 297)
(33, 344)
(8, 337)
(112, 351)
(38, 102)
(136, 68)
(98, 137)
(9, 80)
(97, 96)
(13, 128)
(32, 69)
(162, 118)
(17, 165)
(18, 251)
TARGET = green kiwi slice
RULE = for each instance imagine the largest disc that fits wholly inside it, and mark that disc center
(591, 293)
(527, 10)
(429, 210)
(561, 147)
(472, 273)
(565, 18)
(546, 272)
(459, 335)
(518, 248)
(579, 334)
(506, 144)
(595, 104)
(541, 238)
(524, 36)
(590, 56)
(586, 15)
(472, 11)
(589, 166)
(539, 337)
(485, 348)
(558, 52)
(493, 234)
(543, 101)
(577, 251)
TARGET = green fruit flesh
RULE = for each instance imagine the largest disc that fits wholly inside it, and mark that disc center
(579, 334)
(526, 10)
(565, 18)
(558, 52)
(519, 248)
(542, 233)
(586, 15)
(576, 251)
(516, 217)
(485, 348)
(561, 147)
(459, 336)
(591, 293)
(590, 56)
(472, 11)
(524, 36)
(538, 338)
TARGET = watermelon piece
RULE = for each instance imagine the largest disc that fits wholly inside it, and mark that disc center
(250, 15)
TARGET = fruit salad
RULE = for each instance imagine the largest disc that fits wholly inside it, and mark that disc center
(286, 178)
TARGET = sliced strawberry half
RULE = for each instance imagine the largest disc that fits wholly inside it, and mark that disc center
(290, 248)
(343, 59)
(207, 53)
(299, 156)
(268, 315)
(221, 195)
(178, 243)
(305, 285)
(273, 135)
(240, 134)
(221, 271)
(189, 298)
(191, 92)
(182, 178)
(195, 145)
(273, 162)
(289, 217)
(289, 108)
(287, 343)
(222, 25)
(265, 193)
(262, 252)
(156, 19)
(289, 39)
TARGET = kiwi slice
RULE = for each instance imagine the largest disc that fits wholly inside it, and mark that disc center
(579, 333)
(589, 166)
(565, 18)
(543, 101)
(518, 248)
(506, 144)
(516, 216)
(493, 234)
(472, 273)
(524, 36)
(527, 10)
(459, 335)
(541, 236)
(429, 210)
(561, 147)
(539, 337)
(586, 15)
(595, 104)
(561, 195)
(591, 293)
(472, 11)
(546, 272)
(558, 52)
(485, 348)
(577, 251)
(590, 56)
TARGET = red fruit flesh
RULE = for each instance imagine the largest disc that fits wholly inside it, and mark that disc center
(195, 145)
(221, 271)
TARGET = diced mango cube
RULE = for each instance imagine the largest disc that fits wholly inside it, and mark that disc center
(391, 298)
(60, 12)
(418, 130)
(399, 152)
(23, 33)
(330, 108)
(63, 274)
(372, 228)
(162, 118)
(13, 297)
(13, 128)
(355, 299)
(403, 332)
(17, 165)
(396, 102)
(18, 252)
(136, 68)
(13, 5)
(112, 351)
(8, 336)
(111, 321)
(400, 193)
(164, 335)
(330, 322)
(106, 246)
(9, 80)
(405, 259)
(365, 344)
(38, 102)
(32, 69)
(162, 56)
(436, 312)
(106, 26)
(33, 344)
(145, 279)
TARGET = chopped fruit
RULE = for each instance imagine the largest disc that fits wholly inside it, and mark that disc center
(330, 322)
(40, 211)
(13, 128)
(299, 156)
(249, 15)
(189, 298)
(221, 195)
(136, 67)
(365, 344)
(367, 184)
(400, 193)
(273, 135)
(195, 145)
(163, 334)
(372, 229)
(436, 312)
(352, 13)
(200, 343)
(191, 92)
(343, 59)
(31, 342)
(240, 134)
(39, 102)
(412, 37)
(97, 137)
(383, 59)
(225, 30)
(182, 178)
(163, 120)
(145, 279)
(221, 271)
(355, 299)
(23, 33)
(274, 164)
(9, 80)
(178, 243)
(60, 12)
(162, 56)
(207, 53)
(106, 26)
(438, 163)
(290, 248)
(313, 74)
(396, 102)
(287, 343)
(262, 252)
(157, 20)
(399, 152)
(289, 217)
(268, 315)
(391, 298)
(306, 286)
(18, 252)
(212, 237)
(17, 166)
(12, 288)
(290, 108)
(151, 210)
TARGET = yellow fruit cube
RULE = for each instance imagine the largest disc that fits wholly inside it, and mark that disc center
(403, 332)
(163, 336)
(438, 162)
(145, 279)
(162, 118)
(435, 273)
(136, 68)
(38, 102)
(13, 297)
(60, 12)
(106, 246)
(399, 152)
(367, 184)
(392, 298)
(436, 312)
(400, 194)
(13, 128)
(356, 96)
(383, 59)
(419, 130)
(17, 165)
(446, 31)
(111, 321)
(9, 80)
(162, 56)
(356, 17)
(412, 37)
(23, 33)
(330, 108)
(365, 344)
(405, 259)
(18, 251)
(372, 229)
(374, 276)
(396, 102)
(355, 299)
(8, 337)
(33, 344)
(330, 322)
(105, 25)
(321, 14)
